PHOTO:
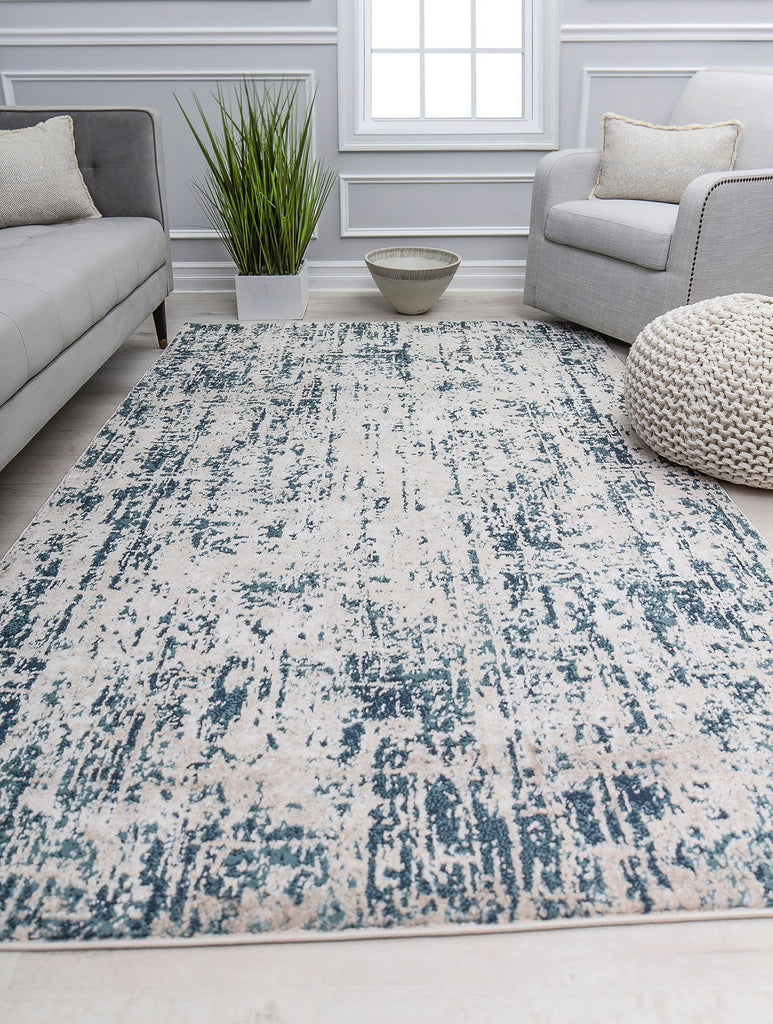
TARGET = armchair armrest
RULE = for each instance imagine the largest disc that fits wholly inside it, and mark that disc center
(560, 177)
(723, 238)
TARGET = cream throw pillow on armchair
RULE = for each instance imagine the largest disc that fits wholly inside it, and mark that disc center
(658, 162)
(40, 181)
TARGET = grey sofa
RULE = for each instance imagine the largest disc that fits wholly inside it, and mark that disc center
(614, 264)
(70, 294)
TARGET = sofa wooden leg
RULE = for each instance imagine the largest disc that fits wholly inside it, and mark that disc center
(159, 319)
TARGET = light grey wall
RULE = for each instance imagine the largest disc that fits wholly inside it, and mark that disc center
(631, 56)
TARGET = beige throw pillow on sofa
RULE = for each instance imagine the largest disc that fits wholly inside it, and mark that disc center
(40, 181)
(658, 162)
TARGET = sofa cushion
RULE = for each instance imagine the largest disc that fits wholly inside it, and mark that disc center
(631, 230)
(58, 280)
(42, 182)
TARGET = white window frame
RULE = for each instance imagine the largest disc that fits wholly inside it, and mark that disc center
(537, 129)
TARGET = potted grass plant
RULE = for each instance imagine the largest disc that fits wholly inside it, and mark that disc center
(263, 192)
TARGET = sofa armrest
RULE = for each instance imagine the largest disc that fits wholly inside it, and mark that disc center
(723, 238)
(119, 153)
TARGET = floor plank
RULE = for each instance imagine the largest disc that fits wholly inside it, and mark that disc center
(703, 972)
(680, 972)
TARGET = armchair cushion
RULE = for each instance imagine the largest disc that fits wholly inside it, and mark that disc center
(624, 229)
(658, 162)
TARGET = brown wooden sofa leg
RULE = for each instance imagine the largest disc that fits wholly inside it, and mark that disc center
(159, 319)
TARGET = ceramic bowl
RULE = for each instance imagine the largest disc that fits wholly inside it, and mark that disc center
(412, 278)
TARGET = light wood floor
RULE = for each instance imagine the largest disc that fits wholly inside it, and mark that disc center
(709, 971)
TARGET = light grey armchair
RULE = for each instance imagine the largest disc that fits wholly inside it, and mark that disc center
(615, 264)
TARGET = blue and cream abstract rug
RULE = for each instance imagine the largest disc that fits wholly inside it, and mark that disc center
(338, 629)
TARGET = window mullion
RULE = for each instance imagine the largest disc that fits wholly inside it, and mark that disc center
(367, 69)
(422, 62)
(473, 61)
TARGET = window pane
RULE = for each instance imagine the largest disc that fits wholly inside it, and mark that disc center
(447, 23)
(394, 24)
(447, 85)
(499, 86)
(395, 85)
(499, 24)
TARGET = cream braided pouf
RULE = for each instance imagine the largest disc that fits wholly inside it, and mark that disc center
(699, 387)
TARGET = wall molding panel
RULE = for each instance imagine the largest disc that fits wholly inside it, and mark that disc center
(247, 35)
(591, 75)
(381, 181)
(193, 234)
(761, 32)
(10, 79)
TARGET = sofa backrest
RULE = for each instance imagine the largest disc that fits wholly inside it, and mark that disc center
(745, 96)
(119, 153)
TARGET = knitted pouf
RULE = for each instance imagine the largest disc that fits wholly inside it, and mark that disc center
(699, 387)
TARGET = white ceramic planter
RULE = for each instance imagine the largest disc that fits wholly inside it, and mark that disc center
(264, 297)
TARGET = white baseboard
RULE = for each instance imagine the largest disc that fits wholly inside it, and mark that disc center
(203, 277)
(353, 276)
